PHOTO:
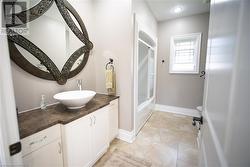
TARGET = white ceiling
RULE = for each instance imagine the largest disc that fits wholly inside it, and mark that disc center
(163, 9)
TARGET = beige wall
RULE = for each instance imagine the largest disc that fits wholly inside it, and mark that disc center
(181, 90)
(28, 88)
(110, 27)
(114, 39)
(145, 16)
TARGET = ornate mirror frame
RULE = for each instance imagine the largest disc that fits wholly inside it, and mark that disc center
(54, 73)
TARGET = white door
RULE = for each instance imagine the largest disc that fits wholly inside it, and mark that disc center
(226, 134)
(47, 156)
(100, 132)
(77, 142)
(8, 120)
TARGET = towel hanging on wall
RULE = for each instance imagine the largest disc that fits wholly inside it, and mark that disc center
(110, 78)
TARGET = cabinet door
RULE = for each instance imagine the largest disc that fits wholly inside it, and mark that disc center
(77, 142)
(100, 133)
(113, 119)
(49, 156)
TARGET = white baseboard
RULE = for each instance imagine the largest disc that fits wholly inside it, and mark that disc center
(126, 136)
(177, 110)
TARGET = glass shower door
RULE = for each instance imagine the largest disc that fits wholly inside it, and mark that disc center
(151, 73)
(146, 72)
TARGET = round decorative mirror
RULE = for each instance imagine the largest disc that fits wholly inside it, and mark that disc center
(56, 46)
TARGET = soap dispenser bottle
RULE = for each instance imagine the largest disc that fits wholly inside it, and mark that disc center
(43, 104)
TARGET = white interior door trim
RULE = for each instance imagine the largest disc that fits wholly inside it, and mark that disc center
(216, 142)
(9, 133)
(138, 26)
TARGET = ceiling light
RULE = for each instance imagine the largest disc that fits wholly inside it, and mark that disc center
(178, 9)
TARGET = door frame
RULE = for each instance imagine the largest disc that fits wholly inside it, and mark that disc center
(139, 26)
(9, 133)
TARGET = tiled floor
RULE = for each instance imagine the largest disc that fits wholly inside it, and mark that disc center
(166, 140)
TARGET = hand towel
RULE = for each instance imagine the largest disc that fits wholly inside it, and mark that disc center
(109, 78)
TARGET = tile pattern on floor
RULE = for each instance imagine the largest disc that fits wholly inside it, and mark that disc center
(166, 140)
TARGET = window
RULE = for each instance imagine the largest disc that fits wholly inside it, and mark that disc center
(185, 53)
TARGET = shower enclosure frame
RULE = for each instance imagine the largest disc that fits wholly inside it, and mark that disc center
(148, 104)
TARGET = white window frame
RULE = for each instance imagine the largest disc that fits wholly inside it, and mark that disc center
(197, 36)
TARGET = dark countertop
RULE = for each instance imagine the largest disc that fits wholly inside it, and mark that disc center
(36, 120)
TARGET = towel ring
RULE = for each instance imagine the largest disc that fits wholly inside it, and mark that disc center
(110, 64)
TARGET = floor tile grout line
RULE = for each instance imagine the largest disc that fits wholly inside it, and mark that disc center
(151, 137)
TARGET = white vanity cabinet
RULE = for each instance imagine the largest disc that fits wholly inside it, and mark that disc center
(113, 119)
(79, 143)
(43, 148)
(100, 133)
(85, 140)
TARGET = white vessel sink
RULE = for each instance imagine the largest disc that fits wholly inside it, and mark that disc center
(75, 99)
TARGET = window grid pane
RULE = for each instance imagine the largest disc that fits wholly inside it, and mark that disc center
(184, 52)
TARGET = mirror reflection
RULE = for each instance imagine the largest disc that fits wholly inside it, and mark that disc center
(52, 35)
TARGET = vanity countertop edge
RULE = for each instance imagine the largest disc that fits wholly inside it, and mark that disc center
(37, 120)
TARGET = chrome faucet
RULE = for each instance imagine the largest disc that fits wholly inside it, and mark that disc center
(79, 84)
